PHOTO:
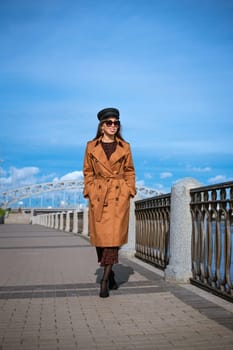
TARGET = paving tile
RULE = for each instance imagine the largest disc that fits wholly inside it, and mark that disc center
(49, 285)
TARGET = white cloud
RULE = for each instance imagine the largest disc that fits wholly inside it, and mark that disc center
(148, 176)
(140, 183)
(159, 187)
(47, 177)
(218, 179)
(20, 176)
(165, 175)
(200, 170)
(2, 172)
(74, 175)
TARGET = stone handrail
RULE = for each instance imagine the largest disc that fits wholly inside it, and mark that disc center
(152, 229)
(212, 223)
(75, 221)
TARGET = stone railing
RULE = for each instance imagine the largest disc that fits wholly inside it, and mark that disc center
(152, 229)
(212, 237)
(189, 234)
(70, 221)
(164, 229)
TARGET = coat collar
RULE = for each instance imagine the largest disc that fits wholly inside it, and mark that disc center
(100, 155)
(117, 139)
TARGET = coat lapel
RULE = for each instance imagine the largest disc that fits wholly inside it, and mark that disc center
(118, 154)
(100, 155)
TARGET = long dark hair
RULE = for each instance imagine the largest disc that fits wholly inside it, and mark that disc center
(99, 131)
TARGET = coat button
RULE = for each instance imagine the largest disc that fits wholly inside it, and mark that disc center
(99, 186)
(117, 199)
(117, 187)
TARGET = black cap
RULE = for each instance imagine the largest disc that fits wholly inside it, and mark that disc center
(108, 112)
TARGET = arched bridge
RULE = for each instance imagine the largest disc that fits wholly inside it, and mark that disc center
(11, 196)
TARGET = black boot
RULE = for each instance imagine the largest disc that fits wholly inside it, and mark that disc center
(104, 282)
(104, 289)
(112, 282)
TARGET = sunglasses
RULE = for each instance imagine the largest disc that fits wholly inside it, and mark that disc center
(110, 123)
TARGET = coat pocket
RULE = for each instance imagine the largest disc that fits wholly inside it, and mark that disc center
(125, 190)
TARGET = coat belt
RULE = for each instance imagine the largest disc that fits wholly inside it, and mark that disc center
(114, 176)
(103, 199)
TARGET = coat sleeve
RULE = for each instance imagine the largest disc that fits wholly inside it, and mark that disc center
(88, 172)
(129, 173)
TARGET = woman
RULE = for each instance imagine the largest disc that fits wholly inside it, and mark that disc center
(109, 182)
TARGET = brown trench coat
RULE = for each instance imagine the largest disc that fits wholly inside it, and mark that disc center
(108, 184)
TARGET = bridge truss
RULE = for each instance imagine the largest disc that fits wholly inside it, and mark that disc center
(54, 194)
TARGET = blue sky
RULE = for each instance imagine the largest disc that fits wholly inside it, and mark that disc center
(166, 64)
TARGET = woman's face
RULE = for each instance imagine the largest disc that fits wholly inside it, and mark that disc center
(110, 126)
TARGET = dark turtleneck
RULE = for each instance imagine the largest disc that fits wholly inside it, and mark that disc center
(109, 148)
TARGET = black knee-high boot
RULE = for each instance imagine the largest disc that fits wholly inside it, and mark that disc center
(104, 282)
(112, 282)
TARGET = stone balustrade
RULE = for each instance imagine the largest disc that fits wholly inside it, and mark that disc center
(69, 221)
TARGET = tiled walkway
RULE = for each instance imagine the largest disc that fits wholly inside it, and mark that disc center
(49, 285)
